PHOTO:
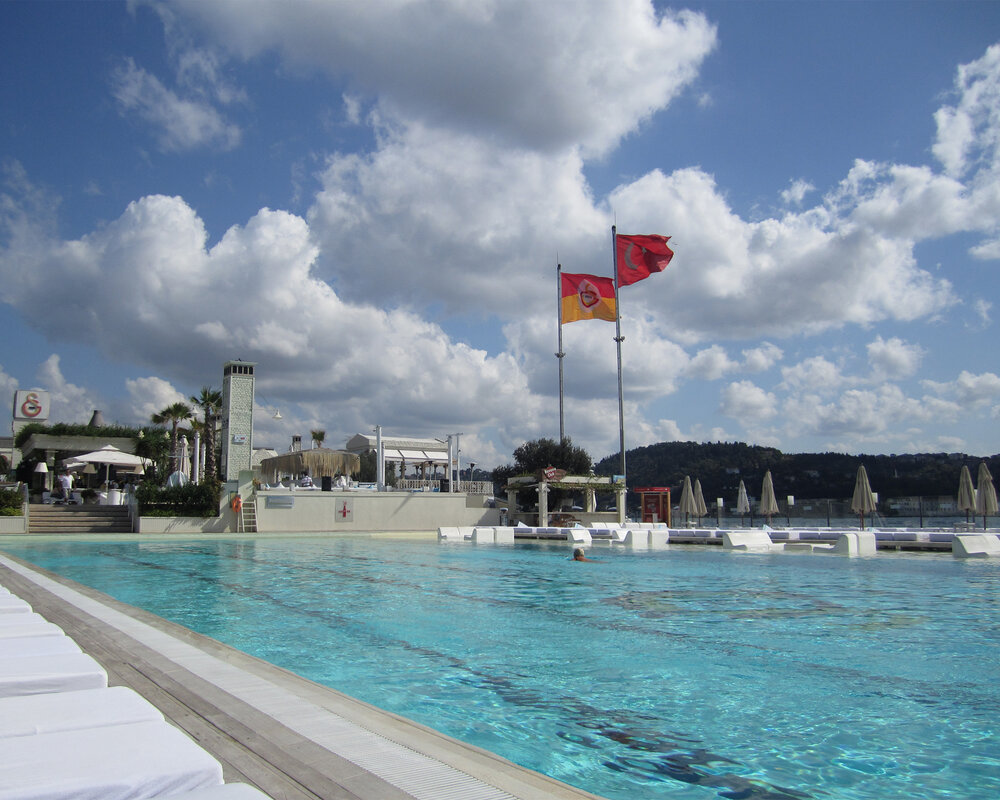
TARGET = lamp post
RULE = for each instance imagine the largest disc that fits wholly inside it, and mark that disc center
(718, 513)
(788, 509)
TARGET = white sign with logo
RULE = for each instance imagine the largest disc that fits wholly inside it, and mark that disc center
(31, 405)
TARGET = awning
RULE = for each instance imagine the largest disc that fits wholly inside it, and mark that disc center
(416, 456)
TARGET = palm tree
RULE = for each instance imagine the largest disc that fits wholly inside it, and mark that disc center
(210, 401)
(173, 414)
(318, 436)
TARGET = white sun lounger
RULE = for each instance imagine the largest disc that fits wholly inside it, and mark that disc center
(20, 619)
(34, 628)
(119, 762)
(69, 711)
(20, 646)
(9, 604)
(64, 672)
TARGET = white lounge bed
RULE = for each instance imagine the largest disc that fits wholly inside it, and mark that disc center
(118, 762)
(64, 672)
(20, 646)
(9, 604)
(20, 619)
(69, 711)
(31, 628)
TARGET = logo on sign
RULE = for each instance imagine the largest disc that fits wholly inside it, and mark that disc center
(31, 405)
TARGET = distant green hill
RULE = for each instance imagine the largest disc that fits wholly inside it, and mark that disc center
(721, 466)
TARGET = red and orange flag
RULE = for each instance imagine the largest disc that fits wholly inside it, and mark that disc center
(587, 297)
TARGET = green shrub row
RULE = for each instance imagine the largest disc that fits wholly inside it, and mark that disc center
(192, 500)
(10, 502)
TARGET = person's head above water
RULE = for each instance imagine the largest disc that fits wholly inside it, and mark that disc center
(579, 555)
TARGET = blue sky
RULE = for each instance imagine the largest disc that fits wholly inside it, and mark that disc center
(369, 200)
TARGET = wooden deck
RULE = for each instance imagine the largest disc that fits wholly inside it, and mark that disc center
(290, 737)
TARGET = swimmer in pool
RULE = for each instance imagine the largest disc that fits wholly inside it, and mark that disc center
(578, 555)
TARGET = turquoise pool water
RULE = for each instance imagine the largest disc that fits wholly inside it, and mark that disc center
(682, 673)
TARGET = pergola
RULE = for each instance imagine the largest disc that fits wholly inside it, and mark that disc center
(405, 450)
(548, 479)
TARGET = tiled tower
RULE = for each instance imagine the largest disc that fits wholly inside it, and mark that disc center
(237, 418)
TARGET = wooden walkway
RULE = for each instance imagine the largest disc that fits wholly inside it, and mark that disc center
(290, 737)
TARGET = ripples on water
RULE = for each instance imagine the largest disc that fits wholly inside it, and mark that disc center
(683, 673)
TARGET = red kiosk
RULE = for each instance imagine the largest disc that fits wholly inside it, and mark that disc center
(655, 503)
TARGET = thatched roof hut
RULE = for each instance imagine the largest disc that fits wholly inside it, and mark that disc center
(315, 463)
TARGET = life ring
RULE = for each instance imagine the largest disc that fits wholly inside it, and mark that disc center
(237, 504)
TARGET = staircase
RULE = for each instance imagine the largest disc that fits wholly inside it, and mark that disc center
(248, 515)
(78, 519)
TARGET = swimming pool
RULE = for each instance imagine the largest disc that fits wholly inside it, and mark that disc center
(682, 673)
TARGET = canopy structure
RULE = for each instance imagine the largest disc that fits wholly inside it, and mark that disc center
(316, 462)
(110, 456)
(409, 450)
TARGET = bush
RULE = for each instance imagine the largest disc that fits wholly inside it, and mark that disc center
(10, 502)
(193, 500)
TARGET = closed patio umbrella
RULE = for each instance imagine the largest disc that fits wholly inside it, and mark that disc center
(688, 505)
(986, 494)
(863, 501)
(743, 503)
(768, 502)
(699, 499)
(966, 493)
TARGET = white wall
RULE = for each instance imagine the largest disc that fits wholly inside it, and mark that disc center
(369, 511)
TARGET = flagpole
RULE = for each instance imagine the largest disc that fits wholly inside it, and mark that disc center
(619, 339)
(560, 354)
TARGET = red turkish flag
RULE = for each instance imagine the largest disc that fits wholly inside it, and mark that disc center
(641, 256)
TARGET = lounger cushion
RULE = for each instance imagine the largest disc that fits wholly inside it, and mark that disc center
(118, 762)
(20, 619)
(67, 711)
(13, 605)
(20, 646)
(41, 628)
(64, 672)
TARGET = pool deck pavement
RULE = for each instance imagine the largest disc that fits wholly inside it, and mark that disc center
(288, 736)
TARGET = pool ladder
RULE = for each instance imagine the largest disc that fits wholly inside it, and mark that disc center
(247, 519)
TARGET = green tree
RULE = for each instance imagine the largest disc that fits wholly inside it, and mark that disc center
(538, 454)
(541, 453)
(318, 436)
(210, 403)
(174, 414)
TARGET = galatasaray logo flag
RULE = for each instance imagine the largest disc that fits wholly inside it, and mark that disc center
(587, 297)
(640, 256)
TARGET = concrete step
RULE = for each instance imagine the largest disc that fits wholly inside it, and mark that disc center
(78, 519)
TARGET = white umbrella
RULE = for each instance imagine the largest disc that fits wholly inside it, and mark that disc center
(986, 494)
(111, 456)
(863, 501)
(185, 459)
(699, 499)
(743, 503)
(966, 493)
(688, 505)
(768, 502)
